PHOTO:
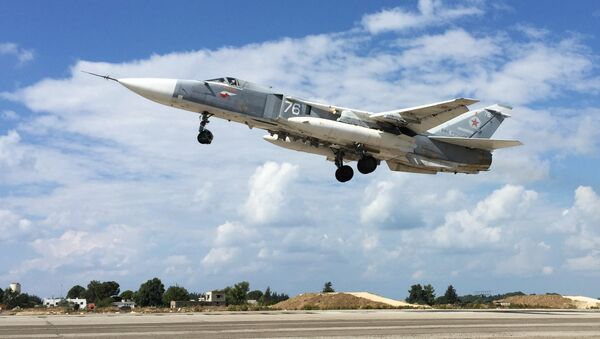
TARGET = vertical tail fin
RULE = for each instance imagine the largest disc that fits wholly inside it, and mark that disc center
(481, 123)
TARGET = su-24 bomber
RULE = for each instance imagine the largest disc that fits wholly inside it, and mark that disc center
(439, 137)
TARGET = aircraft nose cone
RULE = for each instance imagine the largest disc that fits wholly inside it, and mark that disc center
(155, 89)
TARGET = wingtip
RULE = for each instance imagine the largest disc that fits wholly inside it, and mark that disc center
(467, 101)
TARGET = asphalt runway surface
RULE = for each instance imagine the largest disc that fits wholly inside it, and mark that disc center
(309, 324)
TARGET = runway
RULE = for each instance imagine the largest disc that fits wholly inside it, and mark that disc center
(313, 324)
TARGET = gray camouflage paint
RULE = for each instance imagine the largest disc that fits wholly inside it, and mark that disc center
(264, 108)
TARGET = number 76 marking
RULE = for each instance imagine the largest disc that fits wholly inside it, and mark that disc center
(294, 106)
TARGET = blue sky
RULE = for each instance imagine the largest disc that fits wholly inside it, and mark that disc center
(97, 183)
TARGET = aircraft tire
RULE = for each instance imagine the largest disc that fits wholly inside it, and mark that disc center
(366, 165)
(344, 173)
(205, 137)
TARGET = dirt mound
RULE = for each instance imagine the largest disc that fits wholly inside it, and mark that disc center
(328, 301)
(539, 301)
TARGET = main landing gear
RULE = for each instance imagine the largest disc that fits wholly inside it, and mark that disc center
(204, 135)
(366, 164)
(344, 172)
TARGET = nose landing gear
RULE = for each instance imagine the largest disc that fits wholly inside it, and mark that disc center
(204, 135)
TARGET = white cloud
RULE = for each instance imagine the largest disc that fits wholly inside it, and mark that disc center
(532, 31)
(177, 263)
(378, 202)
(234, 233)
(268, 187)
(370, 242)
(538, 71)
(464, 49)
(431, 13)
(22, 55)
(10, 154)
(589, 262)
(581, 218)
(481, 226)
(203, 194)
(581, 223)
(112, 249)
(547, 270)
(529, 259)
(417, 275)
(217, 258)
(12, 225)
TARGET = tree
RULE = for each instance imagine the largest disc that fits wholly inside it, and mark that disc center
(151, 293)
(421, 294)
(127, 295)
(415, 294)
(10, 297)
(237, 294)
(97, 291)
(265, 299)
(271, 298)
(1, 296)
(23, 300)
(428, 294)
(450, 297)
(328, 287)
(76, 291)
(254, 295)
(194, 295)
(175, 293)
(277, 297)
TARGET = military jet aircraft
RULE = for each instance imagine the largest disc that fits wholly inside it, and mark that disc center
(439, 137)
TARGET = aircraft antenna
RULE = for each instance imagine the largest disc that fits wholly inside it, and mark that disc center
(107, 77)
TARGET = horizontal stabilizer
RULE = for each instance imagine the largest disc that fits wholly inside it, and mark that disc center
(480, 143)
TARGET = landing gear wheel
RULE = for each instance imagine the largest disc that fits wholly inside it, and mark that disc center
(205, 137)
(344, 173)
(366, 165)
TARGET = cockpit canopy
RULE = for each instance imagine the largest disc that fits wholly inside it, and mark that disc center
(228, 80)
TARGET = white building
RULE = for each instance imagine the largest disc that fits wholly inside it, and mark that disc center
(15, 287)
(53, 302)
(213, 297)
(79, 301)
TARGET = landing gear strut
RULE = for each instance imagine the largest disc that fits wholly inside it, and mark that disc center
(344, 172)
(204, 135)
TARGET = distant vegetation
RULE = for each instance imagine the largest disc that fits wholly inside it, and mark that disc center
(328, 287)
(425, 295)
(153, 293)
(23, 300)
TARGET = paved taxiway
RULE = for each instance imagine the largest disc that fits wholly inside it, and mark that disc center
(314, 324)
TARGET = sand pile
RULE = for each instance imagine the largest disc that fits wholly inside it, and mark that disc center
(540, 301)
(334, 301)
(584, 302)
(378, 298)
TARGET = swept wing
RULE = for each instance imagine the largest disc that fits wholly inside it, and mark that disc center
(422, 118)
